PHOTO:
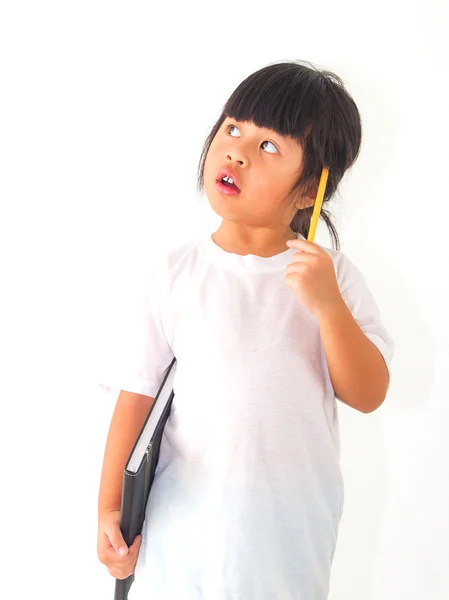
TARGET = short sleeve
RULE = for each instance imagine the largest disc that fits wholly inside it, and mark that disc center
(137, 353)
(365, 311)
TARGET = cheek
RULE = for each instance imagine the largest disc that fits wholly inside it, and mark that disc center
(269, 190)
(212, 162)
(207, 165)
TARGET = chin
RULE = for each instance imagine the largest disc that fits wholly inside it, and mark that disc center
(226, 211)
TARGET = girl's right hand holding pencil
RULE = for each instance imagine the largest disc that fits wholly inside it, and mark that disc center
(112, 549)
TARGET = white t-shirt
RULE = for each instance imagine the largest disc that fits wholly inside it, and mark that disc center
(248, 491)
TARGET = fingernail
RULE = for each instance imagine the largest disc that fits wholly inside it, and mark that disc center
(122, 551)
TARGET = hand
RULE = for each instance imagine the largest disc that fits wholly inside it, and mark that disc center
(312, 277)
(110, 541)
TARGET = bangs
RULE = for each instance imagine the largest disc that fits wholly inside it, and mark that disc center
(280, 97)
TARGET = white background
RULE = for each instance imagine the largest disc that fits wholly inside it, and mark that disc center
(104, 108)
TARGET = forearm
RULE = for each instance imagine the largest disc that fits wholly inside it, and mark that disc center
(357, 369)
(127, 420)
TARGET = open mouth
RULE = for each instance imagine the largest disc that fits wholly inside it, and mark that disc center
(225, 181)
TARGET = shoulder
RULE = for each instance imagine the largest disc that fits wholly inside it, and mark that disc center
(346, 270)
(164, 264)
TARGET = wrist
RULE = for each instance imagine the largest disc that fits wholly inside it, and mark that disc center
(331, 309)
(107, 511)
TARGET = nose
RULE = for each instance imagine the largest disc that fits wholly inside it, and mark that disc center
(234, 157)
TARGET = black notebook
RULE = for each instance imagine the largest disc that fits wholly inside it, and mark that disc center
(140, 469)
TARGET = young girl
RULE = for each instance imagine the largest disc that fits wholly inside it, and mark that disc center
(268, 329)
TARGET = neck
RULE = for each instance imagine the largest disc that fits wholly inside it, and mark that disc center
(260, 242)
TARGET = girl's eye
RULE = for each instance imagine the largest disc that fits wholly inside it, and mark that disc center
(265, 142)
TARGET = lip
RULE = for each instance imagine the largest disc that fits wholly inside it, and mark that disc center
(230, 173)
(228, 191)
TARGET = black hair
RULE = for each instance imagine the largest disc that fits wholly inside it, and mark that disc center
(311, 106)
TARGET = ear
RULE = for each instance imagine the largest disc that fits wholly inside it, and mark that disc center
(305, 202)
(308, 198)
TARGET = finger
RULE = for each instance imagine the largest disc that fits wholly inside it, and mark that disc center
(300, 265)
(135, 546)
(114, 561)
(297, 267)
(126, 564)
(302, 257)
(291, 282)
(111, 556)
(116, 540)
(305, 246)
(133, 550)
(121, 572)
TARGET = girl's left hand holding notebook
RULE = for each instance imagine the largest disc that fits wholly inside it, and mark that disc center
(312, 277)
(112, 549)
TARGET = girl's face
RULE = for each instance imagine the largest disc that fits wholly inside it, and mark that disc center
(266, 165)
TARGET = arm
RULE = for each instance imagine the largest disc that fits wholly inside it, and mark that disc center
(357, 369)
(129, 415)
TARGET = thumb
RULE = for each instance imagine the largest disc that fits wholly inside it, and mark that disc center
(117, 541)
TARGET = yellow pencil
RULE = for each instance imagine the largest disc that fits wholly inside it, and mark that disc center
(318, 204)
